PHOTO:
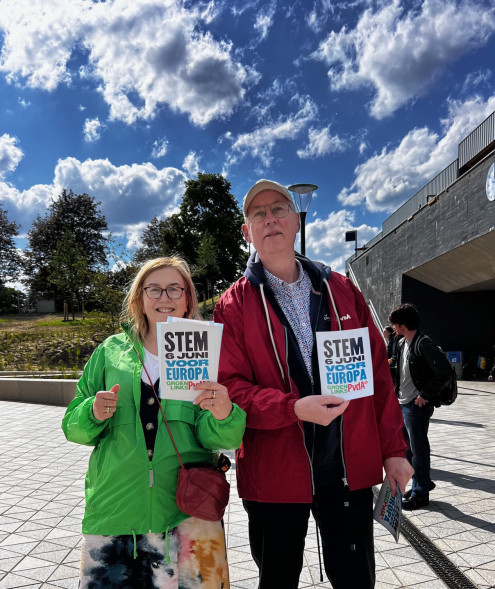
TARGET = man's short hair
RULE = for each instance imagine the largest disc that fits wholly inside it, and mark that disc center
(405, 314)
(264, 185)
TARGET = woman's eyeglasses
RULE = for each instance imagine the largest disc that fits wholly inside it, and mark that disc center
(155, 292)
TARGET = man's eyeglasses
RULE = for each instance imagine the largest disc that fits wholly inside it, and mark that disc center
(155, 292)
(277, 209)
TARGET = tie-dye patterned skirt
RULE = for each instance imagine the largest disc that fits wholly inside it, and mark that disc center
(196, 558)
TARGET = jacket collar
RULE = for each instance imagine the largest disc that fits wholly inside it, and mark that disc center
(137, 343)
(315, 270)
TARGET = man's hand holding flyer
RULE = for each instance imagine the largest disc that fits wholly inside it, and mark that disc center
(388, 509)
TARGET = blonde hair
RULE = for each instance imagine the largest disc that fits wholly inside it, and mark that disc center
(133, 307)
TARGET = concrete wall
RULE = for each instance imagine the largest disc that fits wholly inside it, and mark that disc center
(33, 390)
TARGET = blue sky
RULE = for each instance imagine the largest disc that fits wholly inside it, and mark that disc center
(126, 99)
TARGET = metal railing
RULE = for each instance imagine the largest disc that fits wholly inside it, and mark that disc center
(374, 314)
(477, 141)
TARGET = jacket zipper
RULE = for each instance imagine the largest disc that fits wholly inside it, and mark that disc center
(301, 427)
(314, 437)
(344, 478)
(341, 441)
(152, 484)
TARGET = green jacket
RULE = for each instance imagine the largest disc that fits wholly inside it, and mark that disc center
(126, 492)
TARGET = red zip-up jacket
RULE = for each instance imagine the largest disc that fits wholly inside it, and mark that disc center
(272, 463)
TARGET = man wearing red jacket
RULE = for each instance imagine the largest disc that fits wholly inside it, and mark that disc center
(303, 451)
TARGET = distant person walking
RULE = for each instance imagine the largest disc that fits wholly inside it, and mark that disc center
(135, 536)
(422, 370)
(389, 337)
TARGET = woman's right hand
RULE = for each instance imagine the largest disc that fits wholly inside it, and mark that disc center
(105, 403)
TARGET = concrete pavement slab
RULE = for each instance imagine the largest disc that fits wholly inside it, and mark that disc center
(42, 502)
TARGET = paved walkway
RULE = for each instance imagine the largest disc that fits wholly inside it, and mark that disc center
(42, 501)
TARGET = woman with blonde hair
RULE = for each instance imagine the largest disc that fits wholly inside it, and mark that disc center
(135, 536)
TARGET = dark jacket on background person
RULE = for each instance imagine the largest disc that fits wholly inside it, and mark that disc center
(391, 345)
(430, 369)
(279, 455)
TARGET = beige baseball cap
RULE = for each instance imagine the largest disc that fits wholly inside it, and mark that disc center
(264, 185)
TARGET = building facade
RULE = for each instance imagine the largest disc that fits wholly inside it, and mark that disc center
(437, 252)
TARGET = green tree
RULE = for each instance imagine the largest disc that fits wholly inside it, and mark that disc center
(11, 300)
(206, 264)
(160, 238)
(211, 218)
(76, 214)
(110, 288)
(206, 232)
(69, 270)
(10, 261)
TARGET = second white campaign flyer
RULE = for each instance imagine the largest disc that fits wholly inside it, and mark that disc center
(189, 352)
(344, 359)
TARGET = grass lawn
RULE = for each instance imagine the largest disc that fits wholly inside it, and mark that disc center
(47, 342)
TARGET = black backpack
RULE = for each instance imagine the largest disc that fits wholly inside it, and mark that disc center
(448, 393)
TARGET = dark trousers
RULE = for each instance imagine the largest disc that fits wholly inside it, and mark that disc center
(277, 533)
(416, 424)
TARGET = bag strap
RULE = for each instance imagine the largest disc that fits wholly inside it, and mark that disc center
(160, 406)
(417, 351)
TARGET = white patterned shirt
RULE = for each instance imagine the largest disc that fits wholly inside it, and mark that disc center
(294, 302)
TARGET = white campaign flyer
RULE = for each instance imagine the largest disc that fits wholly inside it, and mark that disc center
(188, 352)
(388, 509)
(344, 358)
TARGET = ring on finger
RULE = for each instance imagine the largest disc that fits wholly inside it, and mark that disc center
(213, 394)
(108, 409)
(212, 402)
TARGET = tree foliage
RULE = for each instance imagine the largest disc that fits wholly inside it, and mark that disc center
(110, 287)
(11, 300)
(160, 238)
(73, 217)
(206, 232)
(211, 222)
(10, 261)
(69, 269)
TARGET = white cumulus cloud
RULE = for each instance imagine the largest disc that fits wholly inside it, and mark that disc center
(134, 233)
(142, 53)
(191, 164)
(10, 154)
(321, 142)
(129, 194)
(36, 45)
(261, 142)
(160, 148)
(92, 130)
(386, 179)
(399, 52)
(325, 238)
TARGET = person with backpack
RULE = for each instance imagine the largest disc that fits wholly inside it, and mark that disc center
(422, 373)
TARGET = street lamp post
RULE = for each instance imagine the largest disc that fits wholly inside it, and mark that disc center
(302, 194)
